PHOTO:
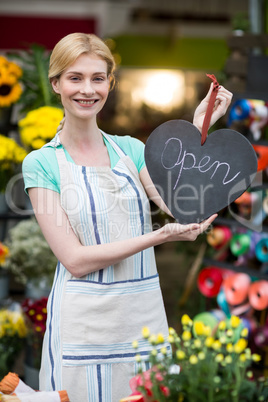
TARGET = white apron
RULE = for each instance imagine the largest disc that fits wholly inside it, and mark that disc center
(92, 321)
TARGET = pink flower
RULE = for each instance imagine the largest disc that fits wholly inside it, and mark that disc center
(159, 377)
(165, 390)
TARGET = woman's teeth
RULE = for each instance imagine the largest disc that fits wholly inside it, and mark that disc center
(86, 102)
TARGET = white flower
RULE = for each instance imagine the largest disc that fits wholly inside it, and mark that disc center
(174, 369)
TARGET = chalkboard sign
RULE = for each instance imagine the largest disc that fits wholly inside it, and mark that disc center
(197, 181)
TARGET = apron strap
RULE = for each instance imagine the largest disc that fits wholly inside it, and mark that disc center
(115, 146)
(63, 166)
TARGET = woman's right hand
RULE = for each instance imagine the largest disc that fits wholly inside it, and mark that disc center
(178, 232)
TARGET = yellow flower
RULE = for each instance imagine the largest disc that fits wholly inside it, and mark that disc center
(219, 358)
(256, 357)
(222, 325)
(160, 338)
(163, 351)
(199, 328)
(223, 339)
(197, 343)
(244, 332)
(209, 341)
(207, 330)
(216, 345)
(180, 354)
(154, 352)
(201, 356)
(138, 358)
(186, 335)
(135, 344)
(186, 320)
(145, 332)
(240, 345)
(39, 126)
(229, 347)
(229, 333)
(171, 331)
(10, 89)
(152, 339)
(171, 339)
(235, 321)
(243, 357)
(228, 359)
(193, 359)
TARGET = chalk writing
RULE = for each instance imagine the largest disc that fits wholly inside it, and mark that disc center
(187, 161)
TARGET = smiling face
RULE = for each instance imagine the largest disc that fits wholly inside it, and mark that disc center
(83, 87)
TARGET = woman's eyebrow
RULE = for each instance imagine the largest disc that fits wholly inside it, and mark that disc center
(79, 72)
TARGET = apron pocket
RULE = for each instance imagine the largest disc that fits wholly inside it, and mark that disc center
(111, 313)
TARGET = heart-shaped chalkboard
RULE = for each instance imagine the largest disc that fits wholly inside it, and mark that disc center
(197, 181)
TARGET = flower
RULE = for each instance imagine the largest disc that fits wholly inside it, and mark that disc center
(199, 328)
(240, 345)
(39, 126)
(145, 332)
(10, 88)
(35, 312)
(11, 156)
(13, 331)
(186, 320)
(200, 368)
(235, 321)
(30, 256)
(4, 251)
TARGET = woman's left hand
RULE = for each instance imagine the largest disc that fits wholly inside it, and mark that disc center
(222, 102)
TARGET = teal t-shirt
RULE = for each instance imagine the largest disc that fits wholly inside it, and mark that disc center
(40, 168)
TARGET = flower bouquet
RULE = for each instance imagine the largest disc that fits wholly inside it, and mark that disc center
(11, 156)
(13, 331)
(36, 313)
(204, 365)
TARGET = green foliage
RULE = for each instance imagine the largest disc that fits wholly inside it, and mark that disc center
(37, 90)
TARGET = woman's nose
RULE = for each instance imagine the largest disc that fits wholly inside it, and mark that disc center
(87, 89)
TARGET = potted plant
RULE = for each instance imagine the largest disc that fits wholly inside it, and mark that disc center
(13, 331)
(204, 366)
(30, 258)
(36, 315)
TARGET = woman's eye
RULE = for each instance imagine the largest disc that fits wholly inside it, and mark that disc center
(74, 78)
(99, 79)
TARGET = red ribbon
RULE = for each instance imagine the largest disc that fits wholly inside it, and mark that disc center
(209, 108)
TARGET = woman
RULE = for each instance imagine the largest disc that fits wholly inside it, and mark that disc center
(88, 190)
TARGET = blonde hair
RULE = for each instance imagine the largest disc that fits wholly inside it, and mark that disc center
(70, 47)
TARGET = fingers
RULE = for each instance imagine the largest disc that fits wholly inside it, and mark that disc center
(209, 93)
(205, 224)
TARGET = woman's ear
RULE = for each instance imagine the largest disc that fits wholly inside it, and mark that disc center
(55, 85)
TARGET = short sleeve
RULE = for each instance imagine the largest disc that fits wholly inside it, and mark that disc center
(134, 148)
(37, 170)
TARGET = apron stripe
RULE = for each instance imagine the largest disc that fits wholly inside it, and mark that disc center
(131, 182)
(78, 360)
(50, 333)
(99, 382)
(93, 214)
(81, 287)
